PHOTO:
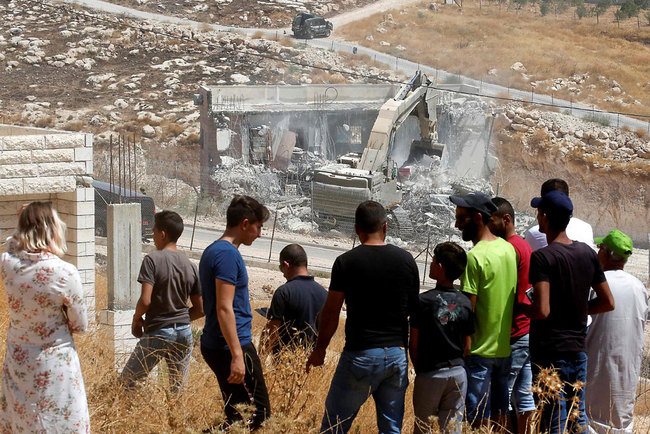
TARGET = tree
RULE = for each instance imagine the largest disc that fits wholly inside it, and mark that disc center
(545, 7)
(600, 8)
(581, 9)
(619, 15)
(647, 17)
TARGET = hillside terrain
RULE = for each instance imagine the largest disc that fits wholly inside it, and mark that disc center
(244, 13)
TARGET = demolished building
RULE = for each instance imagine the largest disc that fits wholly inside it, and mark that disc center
(263, 124)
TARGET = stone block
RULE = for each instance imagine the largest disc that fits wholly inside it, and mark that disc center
(89, 166)
(11, 187)
(75, 208)
(60, 169)
(83, 154)
(53, 155)
(15, 157)
(18, 143)
(78, 222)
(116, 317)
(18, 171)
(59, 141)
(81, 194)
(81, 262)
(49, 184)
(81, 235)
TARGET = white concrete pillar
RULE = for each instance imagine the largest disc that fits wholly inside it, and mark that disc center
(124, 242)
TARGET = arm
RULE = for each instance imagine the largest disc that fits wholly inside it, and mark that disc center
(329, 321)
(73, 304)
(228, 324)
(468, 338)
(137, 325)
(413, 345)
(541, 307)
(196, 311)
(604, 301)
(269, 336)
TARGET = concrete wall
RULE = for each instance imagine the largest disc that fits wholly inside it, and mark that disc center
(37, 164)
(244, 97)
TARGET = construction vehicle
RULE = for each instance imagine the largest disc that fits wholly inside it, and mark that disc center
(106, 194)
(339, 188)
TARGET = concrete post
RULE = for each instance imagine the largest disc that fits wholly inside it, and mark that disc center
(124, 251)
(124, 255)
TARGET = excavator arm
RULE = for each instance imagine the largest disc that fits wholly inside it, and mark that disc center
(413, 95)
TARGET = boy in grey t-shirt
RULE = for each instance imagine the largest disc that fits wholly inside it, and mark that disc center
(168, 279)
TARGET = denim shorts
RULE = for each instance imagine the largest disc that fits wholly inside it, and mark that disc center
(487, 387)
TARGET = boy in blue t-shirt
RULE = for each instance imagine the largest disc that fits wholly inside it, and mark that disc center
(226, 343)
(438, 342)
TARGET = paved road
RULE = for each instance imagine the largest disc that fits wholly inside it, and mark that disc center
(402, 65)
(320, 257)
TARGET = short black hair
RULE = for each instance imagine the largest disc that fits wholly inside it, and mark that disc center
(295, 255)
(171, 223)
(369, 217)
(558, 219)
(245, 208)
(453, 259)
(555, 184)
(503, 207)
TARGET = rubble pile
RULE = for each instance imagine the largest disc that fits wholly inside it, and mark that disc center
(236, 177)
(600, 145)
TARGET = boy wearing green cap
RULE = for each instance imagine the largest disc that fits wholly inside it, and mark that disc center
(615, 342)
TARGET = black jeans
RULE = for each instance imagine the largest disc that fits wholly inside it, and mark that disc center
(252, 391)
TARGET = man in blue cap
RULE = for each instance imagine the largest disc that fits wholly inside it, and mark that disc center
(615, 342)
(562, 274)
(490, 282)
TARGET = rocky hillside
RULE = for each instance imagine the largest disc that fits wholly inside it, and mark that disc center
(79, 71)
(243, 13)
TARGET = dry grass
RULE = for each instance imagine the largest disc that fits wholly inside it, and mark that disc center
(473, 41)
(297, 398)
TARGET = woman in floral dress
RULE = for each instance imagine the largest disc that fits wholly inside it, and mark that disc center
(42, 387)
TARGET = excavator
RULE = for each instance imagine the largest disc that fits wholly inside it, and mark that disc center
(339, 188)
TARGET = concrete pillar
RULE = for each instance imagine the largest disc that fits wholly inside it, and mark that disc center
(124, 242)
(124, 255)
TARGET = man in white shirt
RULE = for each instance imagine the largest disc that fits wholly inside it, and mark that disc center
(577, 229)
(615, 342)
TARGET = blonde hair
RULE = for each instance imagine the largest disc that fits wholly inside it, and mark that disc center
(40, 229)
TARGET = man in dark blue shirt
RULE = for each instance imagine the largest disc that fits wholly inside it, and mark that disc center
(295, 305)
(226, 342)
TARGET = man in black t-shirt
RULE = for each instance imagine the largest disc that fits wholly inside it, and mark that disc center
(561, 275)
(440, 333)
(295, 305)
(379, 284)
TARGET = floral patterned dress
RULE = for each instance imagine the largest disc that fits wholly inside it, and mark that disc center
(42, 387)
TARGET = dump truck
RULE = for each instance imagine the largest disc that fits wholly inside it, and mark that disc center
(339, 188)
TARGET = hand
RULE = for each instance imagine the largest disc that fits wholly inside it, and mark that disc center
(237, 370)
(317, 358)
(137, 327)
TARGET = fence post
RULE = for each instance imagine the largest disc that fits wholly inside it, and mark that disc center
(426, 257)
(196, 212)
(272, 235)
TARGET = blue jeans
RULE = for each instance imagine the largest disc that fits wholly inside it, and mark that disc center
(520, 381)
(487, 387)
(380, 372)
(571, 369)
(173, 343)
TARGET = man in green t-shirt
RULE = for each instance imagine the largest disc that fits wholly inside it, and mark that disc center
(490, 281)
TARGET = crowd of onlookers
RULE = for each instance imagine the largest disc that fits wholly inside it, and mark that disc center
(543, 309)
